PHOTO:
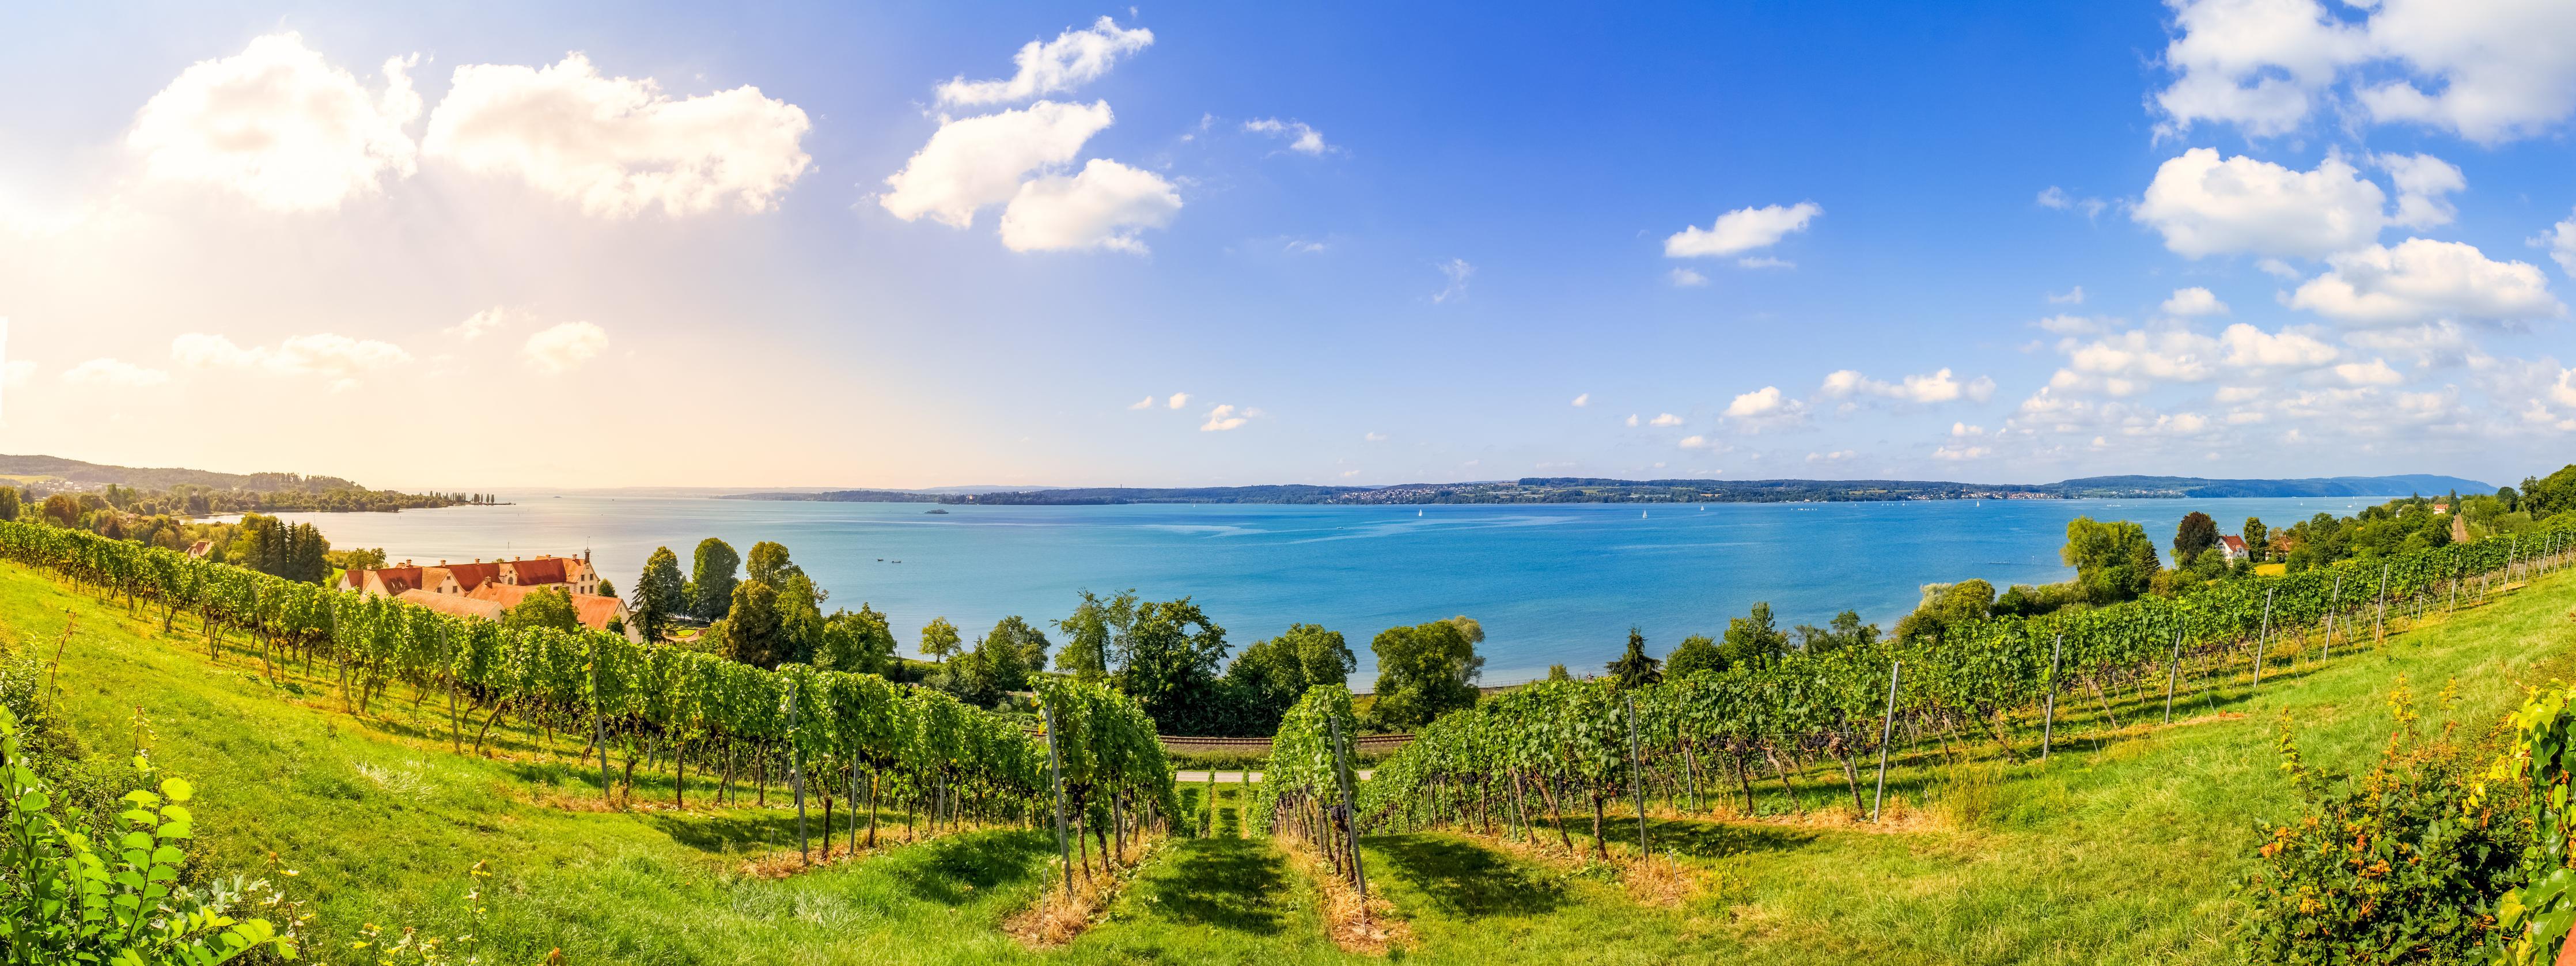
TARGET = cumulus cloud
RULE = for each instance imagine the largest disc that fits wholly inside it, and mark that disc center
(1102, 207)
(1458, 272)
(279, 126)
(488, 320)
(1665, 419)
(2073, 296)
(1179, 399)
(2560, 239)
(2376, 372)
(114, 374)
(1145, 403)
(2248, 347)
(2070, 324)
(564, 347)
(1686, 278)
(1835, 456)
(1936, 387)
(1302, 138)
(1741, 230)
(2439, 343)
(618, 146)
(1073, 58)
(2420, 280)
(1374, 437)
(1583, 400)
(338, 358)
(2128, 363)
(1225, 417)
(2194, 301)
(2424, 184)
(1765, 408)
(2057, 198)
(1694, 442)
(2203, 205)
(1632, 420)
(1962, 451)
(979, 161)
(2490, 70)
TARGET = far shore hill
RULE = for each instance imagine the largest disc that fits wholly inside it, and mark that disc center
(1562, 489)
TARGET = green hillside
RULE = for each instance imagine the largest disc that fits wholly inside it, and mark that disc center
(2127, 846)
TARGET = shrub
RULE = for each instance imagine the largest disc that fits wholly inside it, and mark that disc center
(2399, 864)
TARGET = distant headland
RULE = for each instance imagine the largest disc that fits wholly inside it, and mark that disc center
(1567, 489)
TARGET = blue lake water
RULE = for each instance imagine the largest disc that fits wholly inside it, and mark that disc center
(1552, 583)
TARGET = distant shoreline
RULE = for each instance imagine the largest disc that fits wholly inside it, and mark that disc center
(1565, 490)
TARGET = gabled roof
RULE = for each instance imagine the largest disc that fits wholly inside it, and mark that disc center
(394, 580)
(470, 576)
(539, 570)
(2233, 543)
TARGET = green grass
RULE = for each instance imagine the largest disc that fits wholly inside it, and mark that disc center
(2123, 848)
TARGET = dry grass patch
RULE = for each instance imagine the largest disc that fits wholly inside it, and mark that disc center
(1367, 927)
(1056, 918)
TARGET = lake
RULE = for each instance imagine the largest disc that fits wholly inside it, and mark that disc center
(1550, 583)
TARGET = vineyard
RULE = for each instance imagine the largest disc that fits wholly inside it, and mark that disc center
(1532, 756)
(827, 732)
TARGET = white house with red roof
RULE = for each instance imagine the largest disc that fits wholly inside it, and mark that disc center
(2234, 548)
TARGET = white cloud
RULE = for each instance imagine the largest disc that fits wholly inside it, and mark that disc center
(1458, 272)
(2204, 206)
(1374, 437)
(2424, 184)
(1963, 430)
(1103, 207)
(2420, 280)
(1073, 58)
(1300, 246)
(564, 347)
(1583, 400)
(477, 324)
(1632, 420)
(1686, 278)
(1764, 261)
(2251, 348)
(2194, 301)
(1694, 442)
(279, 126)
(1835, 456)
(338, 358)
(2373, 373)
(1936, 387)
(2490, 70)
(1958, 452)
(2056, 197)
(1225, 417)
(2127, 363)
(1760, 402)
(2070, 325)
(1145, 403)
(1302, 138)
(2440, 343)
(1665, 419)
(618, 146)
(2073, 296)
(1179, 399)
(1741, 230)
(2560, 239)
(979, 161)
(114, 373)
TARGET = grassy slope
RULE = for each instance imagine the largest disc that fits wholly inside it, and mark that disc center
(2125, 849)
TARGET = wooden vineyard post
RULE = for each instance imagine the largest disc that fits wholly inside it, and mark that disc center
(2332, 601)
(598, 731)
(2263, 642)
(1637, 776)
(1350, 812)
(2172, 672)
(1055, 778)
(2379, 621)
(2048, 721)
(796, 770)
(1886, 731)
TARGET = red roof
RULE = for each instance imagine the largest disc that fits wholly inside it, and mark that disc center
(539, 570)
(592, 610)
(395, 580)
(2234, 543)
(470, 576)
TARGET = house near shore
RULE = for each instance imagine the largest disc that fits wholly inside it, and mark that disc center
(2234, 548)
(485, 590)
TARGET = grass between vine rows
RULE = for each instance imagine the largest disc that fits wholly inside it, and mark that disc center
(2127, 846)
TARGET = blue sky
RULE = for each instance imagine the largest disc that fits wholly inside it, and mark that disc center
(1990, 242)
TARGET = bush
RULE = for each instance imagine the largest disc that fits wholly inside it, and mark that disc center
(2400, 864)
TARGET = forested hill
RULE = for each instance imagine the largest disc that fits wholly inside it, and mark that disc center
(1557, 489)
(38, 469)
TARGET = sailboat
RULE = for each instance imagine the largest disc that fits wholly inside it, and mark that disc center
(1417, 513)
(1641, 514)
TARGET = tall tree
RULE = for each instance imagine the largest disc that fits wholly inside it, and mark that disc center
(939, 638)
(8, 503)
(857, 643)
(751, 633)
(2257, 537)
(1694, 654)
(2196, 533)
(2113, 560)
(1756, 640)
(543, 607)
(1423, 671)
(659, 593)
(1169, 659)
(1633, 668)
(768, 564)
(1269, 676)
(711, 578)
(1092, 633)
(1017, 633)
